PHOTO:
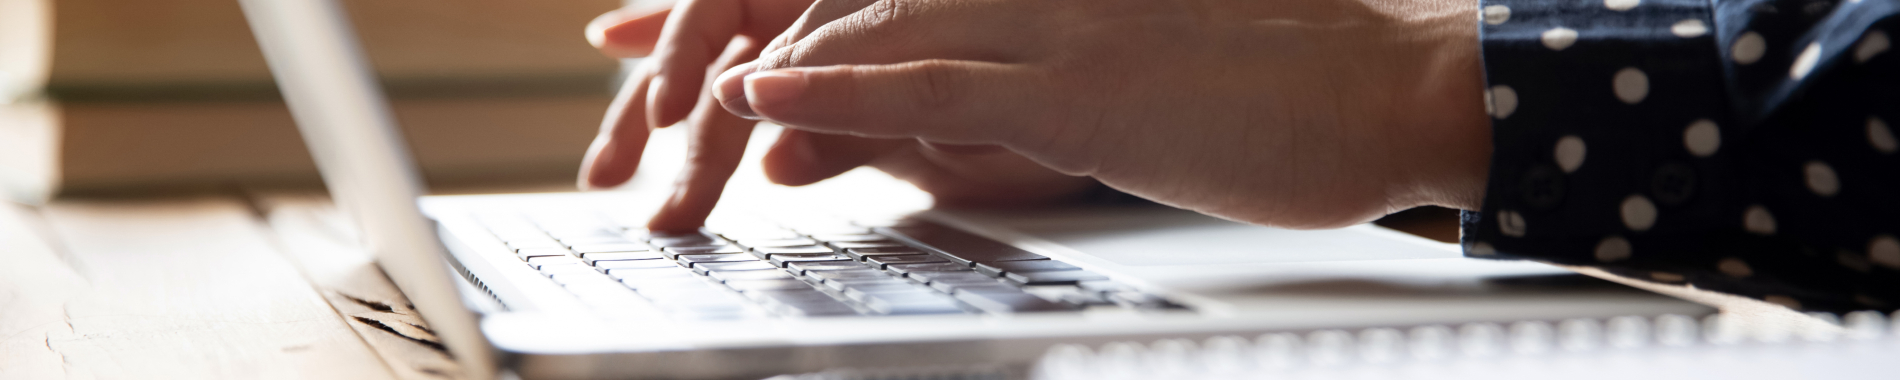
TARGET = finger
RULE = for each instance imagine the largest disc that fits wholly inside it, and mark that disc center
(627, 32)
(953, 102)
(717, 142)
(729, 89)
(615, 153)
(800, 158)
(876, 32)
(695, 34)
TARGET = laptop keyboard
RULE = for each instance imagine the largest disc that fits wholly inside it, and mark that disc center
(764, 270)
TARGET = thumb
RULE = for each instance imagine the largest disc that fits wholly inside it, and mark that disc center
(957, 102)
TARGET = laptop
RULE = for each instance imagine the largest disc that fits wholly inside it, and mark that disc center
(852, 273)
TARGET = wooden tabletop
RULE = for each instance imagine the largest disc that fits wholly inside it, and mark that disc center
(199, 288)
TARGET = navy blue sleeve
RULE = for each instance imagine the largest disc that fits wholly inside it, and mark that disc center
(1741, 146)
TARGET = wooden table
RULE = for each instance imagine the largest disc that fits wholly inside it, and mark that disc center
(199, 288)
(244, 286)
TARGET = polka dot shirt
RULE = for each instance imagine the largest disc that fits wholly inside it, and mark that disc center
(1742, 146)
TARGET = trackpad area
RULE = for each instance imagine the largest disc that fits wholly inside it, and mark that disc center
(1162, 236)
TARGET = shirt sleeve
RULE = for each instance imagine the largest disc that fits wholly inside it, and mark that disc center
(1742, 146)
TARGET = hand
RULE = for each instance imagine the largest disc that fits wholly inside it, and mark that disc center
(684, 41)
(1300, 113)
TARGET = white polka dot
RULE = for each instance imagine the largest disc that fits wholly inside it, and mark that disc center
(1821, 178)
(1482, 249)
(1871, 45)
(1884, 250)
(1569, 153)
(1638, 213)
(1748, 48)
(1702, 138)
(1496, 14)
(1511, 223)
(1734, 267)
(1631, 85)
(1804, 64)
(1613, 249)
(1880, 136)
(1559, 38)
(1757, 220)
(1665, 277)
(1618, 5)
(1784, 301)
(1503, 101)
(1689, 28)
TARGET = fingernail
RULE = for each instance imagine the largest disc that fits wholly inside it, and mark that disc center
(772, 88)
(730, 90)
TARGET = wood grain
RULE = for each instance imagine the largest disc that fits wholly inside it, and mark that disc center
(320, 240)
(189, 289)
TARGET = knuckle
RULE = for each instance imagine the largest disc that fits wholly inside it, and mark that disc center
(936, 84)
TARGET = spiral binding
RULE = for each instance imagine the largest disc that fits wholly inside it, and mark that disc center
(1861, 343)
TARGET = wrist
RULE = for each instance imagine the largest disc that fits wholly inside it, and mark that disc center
(1445, 151)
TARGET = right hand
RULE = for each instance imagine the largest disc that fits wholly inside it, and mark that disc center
(672, 85)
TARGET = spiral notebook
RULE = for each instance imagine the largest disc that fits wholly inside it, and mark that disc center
(1860, 345)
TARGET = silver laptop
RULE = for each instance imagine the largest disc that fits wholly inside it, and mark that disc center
(852, 273)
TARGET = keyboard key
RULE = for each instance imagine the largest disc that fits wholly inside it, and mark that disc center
(986, 285)
(781, 260)
(758, 234)
(912, 304)
(857, 290)
(1007, 303)
(683, 240)
(696, 260)
(784, 283)
(630, 269)
(849, 238)
(929, 277)
(703, 268)
(793, 295)
(963, 247)
(844, 283)
(926, 267)
(792, 250)
(590, 258)
(633, 264)
(807, 266)
(670, 271)
(776, 243)
(846, 274)
(593, 240)
(538, 261)
(538, 243)
(674, 252)
(862, 253)
(524, 254)
(865, 244)
(751, 275)
(815, 309)
(629, 247)
(581, 278)
(550, 270)
(1067, 277)
(834, 229)
(882, 261)
(997, 269)
(645, 284)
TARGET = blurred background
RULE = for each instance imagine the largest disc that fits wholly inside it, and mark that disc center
(105, 97)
